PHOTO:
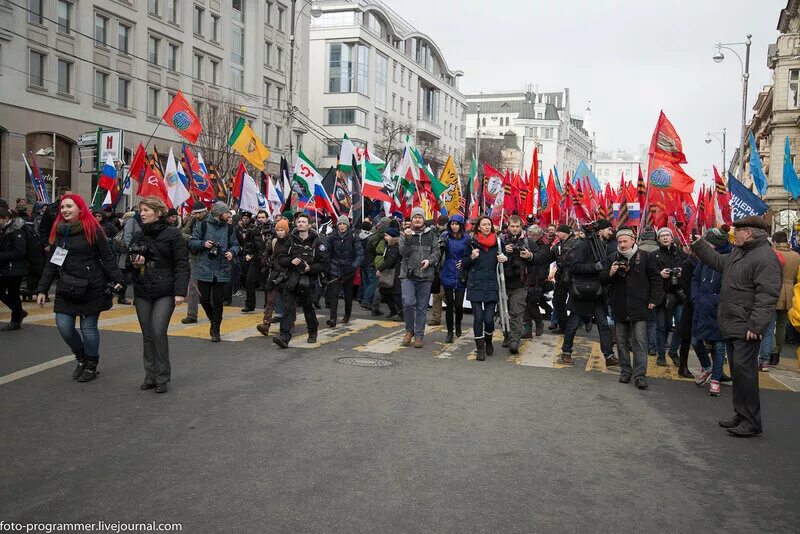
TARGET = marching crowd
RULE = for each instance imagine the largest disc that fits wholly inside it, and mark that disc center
(728, 298)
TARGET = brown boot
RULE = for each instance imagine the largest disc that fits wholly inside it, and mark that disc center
(407, 339)
(417, 342)
(263, 328)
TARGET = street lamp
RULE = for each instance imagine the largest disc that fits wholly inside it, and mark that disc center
(722, 142)
(719, 57)
(316, 12)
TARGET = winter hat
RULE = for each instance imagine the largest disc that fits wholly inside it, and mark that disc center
(283, 223)
(442, 220)
(171, 212)
(602, 224)
(199, 207)
(366, 226)
(648, 234)
(417, 211)
(342, 220)
(716, 237)
(564, 228)
(385, 223)
(287, 215)
(664, 230)
(218, 208)
(393, 232)
(625, 231)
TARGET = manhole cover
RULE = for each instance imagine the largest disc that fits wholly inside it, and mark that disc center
(365, 362)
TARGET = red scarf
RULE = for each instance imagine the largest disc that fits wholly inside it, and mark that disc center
(487, 241)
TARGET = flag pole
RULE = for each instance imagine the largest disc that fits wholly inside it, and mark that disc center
(153, 134)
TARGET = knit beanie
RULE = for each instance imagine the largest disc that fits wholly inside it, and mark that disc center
(283, 223)
(665, 230)
(715, 237)
(564, 228)
(417, 211)
(342, 220)
(218, 209)
(385, 223)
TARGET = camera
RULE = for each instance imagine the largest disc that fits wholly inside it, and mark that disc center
(674, 276)
(109, 289)
(622, 262)
(138, 249)
(213, 252)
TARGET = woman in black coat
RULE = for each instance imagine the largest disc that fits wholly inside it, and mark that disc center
(160, 261)
(87, 273)
(13, 265)
(390, 260)
(480, 261)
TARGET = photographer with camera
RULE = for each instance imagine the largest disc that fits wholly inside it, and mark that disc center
(419, 248)
(275, 275)
(304, 259)
(669, 258)
(87, 274)
(214, 241)
(159, 259)
(199, 212)
(564, 242)
(634, 288)
(586, 296)
(537, 283)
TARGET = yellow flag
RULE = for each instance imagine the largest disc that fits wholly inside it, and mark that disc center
(245, 141)
(451, 197)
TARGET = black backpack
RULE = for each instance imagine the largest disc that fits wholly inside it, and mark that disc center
(33, 252)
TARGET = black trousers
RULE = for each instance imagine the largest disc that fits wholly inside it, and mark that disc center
(336, 285)
(393, 300)
(560, 294)
(251, 280)
(211, 296)
(290, 301)
(454, 313)
(9, 295)
(743, 359)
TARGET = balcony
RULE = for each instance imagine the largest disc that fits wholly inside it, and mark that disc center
(429, 129)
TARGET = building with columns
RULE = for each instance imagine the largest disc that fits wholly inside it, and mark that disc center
(74, 66)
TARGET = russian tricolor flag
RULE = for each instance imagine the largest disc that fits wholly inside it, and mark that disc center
(108, 176)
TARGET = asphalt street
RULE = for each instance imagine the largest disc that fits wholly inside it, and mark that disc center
(253, 439)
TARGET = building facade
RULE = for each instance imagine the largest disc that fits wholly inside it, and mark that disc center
(535, 120)
(611, 166)
(80, 66)
(376, 78)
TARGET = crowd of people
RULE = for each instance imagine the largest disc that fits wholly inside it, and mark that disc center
(728, 296)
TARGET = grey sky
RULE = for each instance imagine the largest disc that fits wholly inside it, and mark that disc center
(631, 58)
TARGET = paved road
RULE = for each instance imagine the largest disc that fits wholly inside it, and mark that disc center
(253, 439)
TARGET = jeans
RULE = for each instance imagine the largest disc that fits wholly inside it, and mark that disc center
(663, 323)
(211, 297)
(651, 331)
(632, 336)
(482, 318)
(575, 320)
(415, 304)
(454, 312)
(560, 294)
(715, 363)
(336, 285)
(9, 295)
(87, 343)
(766, 341)
(154, 316)
(290, 301)
(369, 280)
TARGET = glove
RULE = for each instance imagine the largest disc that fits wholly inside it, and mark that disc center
(598, 266)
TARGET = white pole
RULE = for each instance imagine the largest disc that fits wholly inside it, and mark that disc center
(53, 196)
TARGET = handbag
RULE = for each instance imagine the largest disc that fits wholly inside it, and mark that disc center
(583, 289)
(386, 279)
(71, 287)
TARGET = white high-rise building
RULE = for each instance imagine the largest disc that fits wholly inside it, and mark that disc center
(376, 78)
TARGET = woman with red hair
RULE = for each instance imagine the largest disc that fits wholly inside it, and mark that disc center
(85, 268)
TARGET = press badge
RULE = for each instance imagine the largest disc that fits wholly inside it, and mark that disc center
(59, 255)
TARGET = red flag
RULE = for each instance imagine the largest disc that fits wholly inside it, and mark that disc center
(577, 203)
(138, 163)
(493, 183)
(238, 180)
(182, 118)
(711, 216)
(665, 144)
(723, 198)
(152, 185)
(641, 189)
(701, 208)
(533, 183)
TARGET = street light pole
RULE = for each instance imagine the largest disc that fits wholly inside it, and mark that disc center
(719, 57)
(723, 143)
(294, 15)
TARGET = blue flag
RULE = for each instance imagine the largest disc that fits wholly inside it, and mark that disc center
(558, 182)
(756, 169)
(743, 201)
(790, 181)
(583, 171)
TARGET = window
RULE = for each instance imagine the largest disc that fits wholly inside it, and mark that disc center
(123, 41)
(197, 21)
(376, 124)
(197, 67)
(100, 87)
(347, 68)
(298, 140)
(381, 80)
(35, 11)
(238, 10)
(152, 6)
(64, 77)
(281, 18)
(153, 96)
(36, 72)
(430, 102)
(278, 132)
(214, 72)
(548, 133)
(401, 105)
(341, 116)
(265, 137)
(269, 13)
(394, 101)
(198, 106)
(333, 148)
(237, 53)
(279, 57)
(64, 16)
(215, 28)
(483, 121)
(267, 54)
(172, 56)
(539, 116)
(100, 25)
(394, 71)
(409, 107)
(278, 96)
(409, 80)
(794, 88)
(238, 79)
(267, 91)
(172, 11)
(123, 93)
(153, 44)
(402, 76)
(363, 70)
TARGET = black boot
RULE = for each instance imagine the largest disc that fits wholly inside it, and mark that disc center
(774, 359)
(489, 347)
(79, 369)
(89, 371)
(683, 365)
(214, 333)
(539, 328)
(449, 338)
(505, 340)
(458, 329)
(480, 345)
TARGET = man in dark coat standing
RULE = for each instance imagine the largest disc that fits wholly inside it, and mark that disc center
(751, 281)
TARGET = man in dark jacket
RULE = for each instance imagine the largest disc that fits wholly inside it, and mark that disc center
(13, 265)
(751, 282)
(560, 250)
(586, 298)
(634, 288)
(538, 283)
(669, 258)
(304, 259)
(345, 256)
(517, 271)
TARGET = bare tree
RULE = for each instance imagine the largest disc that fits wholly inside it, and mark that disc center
(218, 117)
(390, 139)
(490, 151)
